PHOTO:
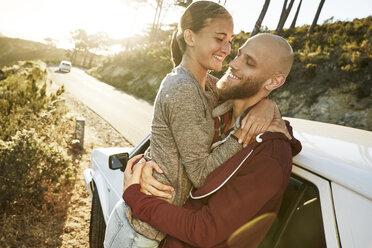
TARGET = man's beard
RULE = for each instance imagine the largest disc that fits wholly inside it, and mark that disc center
(246, 89)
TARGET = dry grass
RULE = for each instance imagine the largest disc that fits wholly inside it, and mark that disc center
(62, 220)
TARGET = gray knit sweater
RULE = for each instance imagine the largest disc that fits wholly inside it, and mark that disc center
(182, 132)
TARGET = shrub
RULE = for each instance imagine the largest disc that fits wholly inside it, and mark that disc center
(29, 166)
(32, 150)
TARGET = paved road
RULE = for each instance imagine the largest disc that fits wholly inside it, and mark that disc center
(130, 116)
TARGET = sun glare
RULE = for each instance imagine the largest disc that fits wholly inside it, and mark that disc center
(113, 17)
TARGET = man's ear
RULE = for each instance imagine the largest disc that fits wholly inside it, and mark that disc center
(188, 35)
(276, 81)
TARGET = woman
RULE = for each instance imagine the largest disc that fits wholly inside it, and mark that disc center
(183, 128)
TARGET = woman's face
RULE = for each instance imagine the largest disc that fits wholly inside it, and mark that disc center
(213, 43)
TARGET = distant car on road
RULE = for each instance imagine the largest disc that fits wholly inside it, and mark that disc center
(328, 201)
(65, 66)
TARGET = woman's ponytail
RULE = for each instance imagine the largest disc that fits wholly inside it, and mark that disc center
(176, 53)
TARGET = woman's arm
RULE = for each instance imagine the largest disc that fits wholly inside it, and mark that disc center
(186, 113)
(260, 118)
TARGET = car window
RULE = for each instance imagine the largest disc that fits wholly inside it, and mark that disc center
(299, 222)
(141, 147)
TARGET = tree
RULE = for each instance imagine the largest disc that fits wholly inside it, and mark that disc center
(284, 15)
(80, 39)
(50, 42)
(160, 12)
(134, 4)
(96, 42)
(257, 26)
(293, 25)
(155, 23)
(183, 3)
(316, 16)
(220, 2)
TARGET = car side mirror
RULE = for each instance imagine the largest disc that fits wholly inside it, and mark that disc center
(118, 161)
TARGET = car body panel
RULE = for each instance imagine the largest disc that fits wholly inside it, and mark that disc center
(88, 177)
(340, 154)
(336, 159)
(354, 217)
(108, 182)
(65, 66)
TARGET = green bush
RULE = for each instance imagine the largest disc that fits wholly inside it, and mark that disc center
(32, 150)
(29, 166)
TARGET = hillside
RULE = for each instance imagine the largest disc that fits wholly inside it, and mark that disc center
(329, 82)
(13, 50)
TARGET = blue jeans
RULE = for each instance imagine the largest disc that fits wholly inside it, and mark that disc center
(119, 233)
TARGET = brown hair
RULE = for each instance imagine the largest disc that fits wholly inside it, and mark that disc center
(195, 17)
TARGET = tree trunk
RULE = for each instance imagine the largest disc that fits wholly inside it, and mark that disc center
(260, 18)
(157, 26)
(91, 60)
(284, 16)
(283, 10)
(311, 30)
(86, 53)
(293, 25)
(73, 56)
(156, 23)
(155, 17)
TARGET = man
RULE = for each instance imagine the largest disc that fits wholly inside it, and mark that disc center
(250, 183)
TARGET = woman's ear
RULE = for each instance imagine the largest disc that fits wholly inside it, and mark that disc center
(189, 37)
(276, 81)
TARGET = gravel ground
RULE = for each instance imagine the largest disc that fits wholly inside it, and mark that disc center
(98, 133)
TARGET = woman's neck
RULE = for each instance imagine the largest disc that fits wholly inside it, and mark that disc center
(196, 69)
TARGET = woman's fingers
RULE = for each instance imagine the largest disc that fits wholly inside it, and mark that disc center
(150, 184)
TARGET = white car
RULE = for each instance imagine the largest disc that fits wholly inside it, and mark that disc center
(65, 66)
(328, 202)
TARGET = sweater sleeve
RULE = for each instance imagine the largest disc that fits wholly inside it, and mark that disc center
(295, 143)
(236, 203)
(186, 112)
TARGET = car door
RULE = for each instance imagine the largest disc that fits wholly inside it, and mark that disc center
(306, 217)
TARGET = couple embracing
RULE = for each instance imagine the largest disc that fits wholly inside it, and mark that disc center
(220, 154)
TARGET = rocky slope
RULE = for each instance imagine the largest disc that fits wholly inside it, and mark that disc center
(330, 80)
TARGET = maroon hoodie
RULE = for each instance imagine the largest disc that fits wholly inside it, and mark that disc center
(249, 184)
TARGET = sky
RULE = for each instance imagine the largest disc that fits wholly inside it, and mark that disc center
(38, 19)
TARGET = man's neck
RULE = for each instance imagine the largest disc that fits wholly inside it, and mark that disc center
(196, 69)
(240, 105)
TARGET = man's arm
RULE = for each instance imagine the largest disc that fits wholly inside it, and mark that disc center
(236, 203)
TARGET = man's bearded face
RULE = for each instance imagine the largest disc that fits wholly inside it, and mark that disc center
(245, 88)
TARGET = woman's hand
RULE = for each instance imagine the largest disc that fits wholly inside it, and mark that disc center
(256, 121)
(132, 173)
(149, 185)
(278, 125)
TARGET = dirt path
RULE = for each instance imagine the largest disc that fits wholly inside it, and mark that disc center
(98, 133)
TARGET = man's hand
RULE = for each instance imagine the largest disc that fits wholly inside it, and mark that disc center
(149, 185)
(256, 121)
(132, 173)
(278, 125)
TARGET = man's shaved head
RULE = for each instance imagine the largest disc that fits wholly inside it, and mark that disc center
(275, 50)
(261, 65)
